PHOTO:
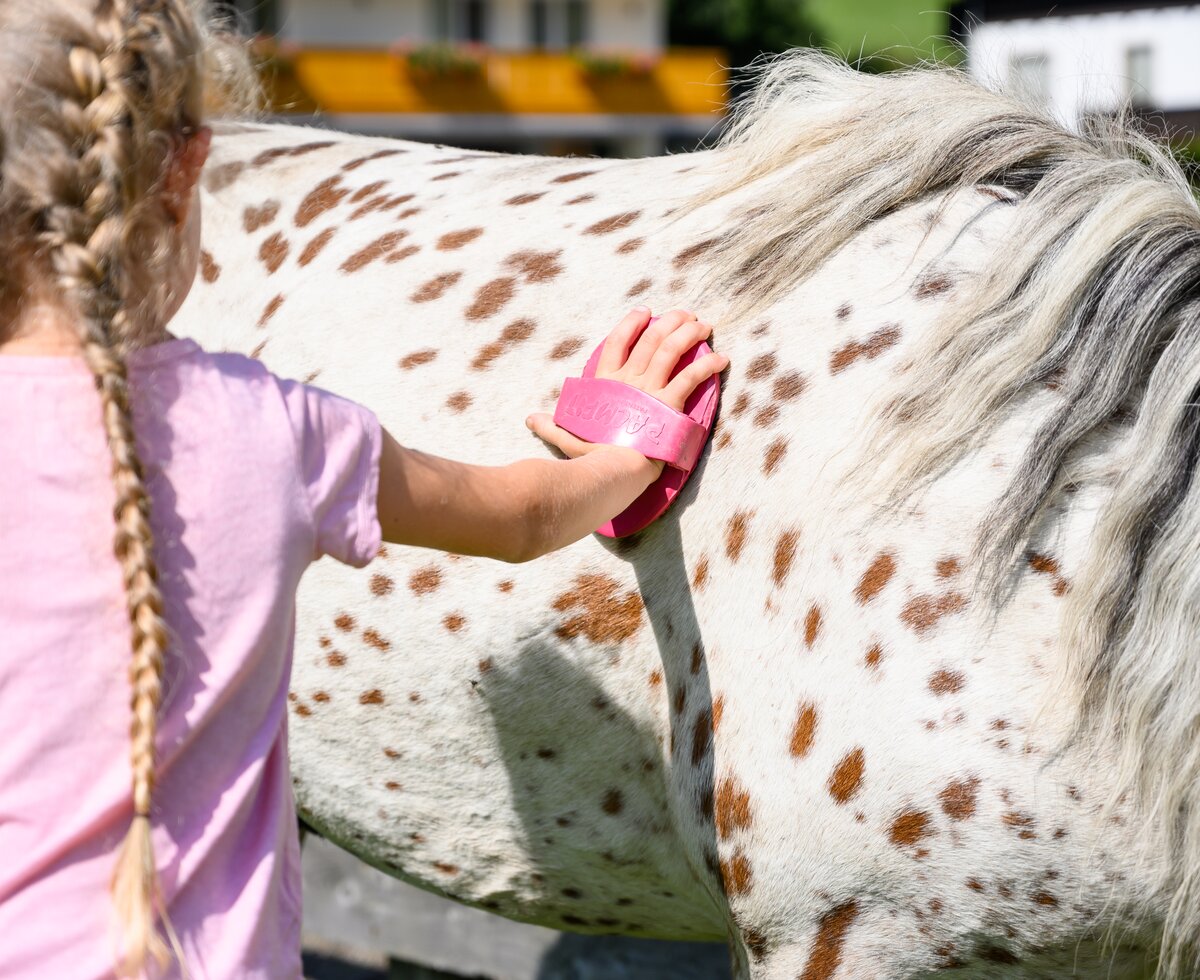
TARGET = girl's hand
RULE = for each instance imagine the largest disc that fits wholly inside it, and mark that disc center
(644, 357)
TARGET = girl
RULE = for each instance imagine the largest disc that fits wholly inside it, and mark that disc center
(224, 482)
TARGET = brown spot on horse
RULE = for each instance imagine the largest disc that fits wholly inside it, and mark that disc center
(877, 343)
(367, 190)
(639, 287)
(209, 270)
(873, 580)
(922, 612)
(789, 386)
(825, 957)
(566, 348)
(812, 626)
(773, 456)
(615, 223)
(314, 247)
(735, 534)
(785, 554)
(535, 266)
(457, 239)
(732, 808)
(377, 249)
(435, 288)
(932, 284)
(254, 218)
(270, 309)
(735, 873)
(804, 731)
(417, 358)
(381, 585)
(490, 298)
(943, 682)
(766, 416)
(425, 580)
(847, 776)
(572, 177)
(510, 336)
(693, 252)
(910, 827)
(604, 615)
(273, 251)
(327, 195)
(958, 798)
(360, 161)
(612, 803)
(947, 567)
(762, 366)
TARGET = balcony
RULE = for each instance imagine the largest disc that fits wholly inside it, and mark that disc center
(684, 81)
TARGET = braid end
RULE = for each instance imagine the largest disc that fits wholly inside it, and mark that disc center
(135, 897)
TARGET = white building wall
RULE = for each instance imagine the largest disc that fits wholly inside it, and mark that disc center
(640, 24)
(632, 24)
(1086, 56)
(353, 23)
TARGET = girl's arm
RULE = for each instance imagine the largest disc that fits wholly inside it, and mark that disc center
(534, 506)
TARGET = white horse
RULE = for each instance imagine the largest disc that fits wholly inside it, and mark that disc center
(907, 679)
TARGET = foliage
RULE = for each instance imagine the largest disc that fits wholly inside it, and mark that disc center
(744, 28)
(443, 60)
(614, 64)
(881, 34)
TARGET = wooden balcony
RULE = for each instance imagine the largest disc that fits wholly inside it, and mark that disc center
(683, 81)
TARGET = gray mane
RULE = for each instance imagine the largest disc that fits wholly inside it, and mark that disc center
(1091, 318)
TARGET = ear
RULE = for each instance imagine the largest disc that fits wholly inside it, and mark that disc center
(183, 173)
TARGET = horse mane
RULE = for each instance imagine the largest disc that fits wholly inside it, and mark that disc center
(1093, 308)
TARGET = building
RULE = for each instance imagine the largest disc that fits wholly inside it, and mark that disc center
(1083, 57)
(584, 76)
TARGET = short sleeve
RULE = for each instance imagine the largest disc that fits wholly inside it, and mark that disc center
(337, 447)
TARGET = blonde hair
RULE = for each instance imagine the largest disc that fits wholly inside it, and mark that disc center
(97, 96)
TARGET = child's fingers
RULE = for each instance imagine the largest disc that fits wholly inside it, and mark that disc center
(652, 337)
(616, 347)
(542, 425)
(691, 377)
(673, 347)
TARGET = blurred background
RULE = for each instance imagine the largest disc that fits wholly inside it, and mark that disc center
(640, 77)
(635, 78)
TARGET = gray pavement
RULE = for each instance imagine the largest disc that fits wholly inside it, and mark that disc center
(360, 924)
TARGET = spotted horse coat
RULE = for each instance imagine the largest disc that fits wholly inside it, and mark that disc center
(764, 719)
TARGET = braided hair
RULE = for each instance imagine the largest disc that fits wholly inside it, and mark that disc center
(97, 96)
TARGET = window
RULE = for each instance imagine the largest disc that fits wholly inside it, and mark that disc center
(1029, 77)
(460, 20)
(1138, 63)
(577, 15)
(539, 24)
(557, 24)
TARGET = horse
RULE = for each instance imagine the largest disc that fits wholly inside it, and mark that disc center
(904, 682)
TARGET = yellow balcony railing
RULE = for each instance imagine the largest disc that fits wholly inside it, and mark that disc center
(679, 81)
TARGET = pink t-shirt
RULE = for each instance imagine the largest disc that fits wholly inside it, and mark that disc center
(252, 478)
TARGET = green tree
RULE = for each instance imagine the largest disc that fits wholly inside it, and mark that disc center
(744, 28)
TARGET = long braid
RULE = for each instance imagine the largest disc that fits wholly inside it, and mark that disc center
(90, 237)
